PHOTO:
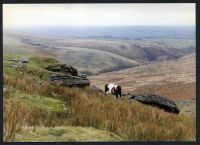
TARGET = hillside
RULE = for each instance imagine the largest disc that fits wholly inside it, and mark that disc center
(93, 55)
(34, 108)
(139, 50)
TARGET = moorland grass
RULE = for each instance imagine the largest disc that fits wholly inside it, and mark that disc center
(128, 119)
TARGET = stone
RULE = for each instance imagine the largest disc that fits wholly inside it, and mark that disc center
(24, 60)
(157, 101)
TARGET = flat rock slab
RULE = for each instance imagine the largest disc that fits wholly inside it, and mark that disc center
(157, 101)
(70, 81)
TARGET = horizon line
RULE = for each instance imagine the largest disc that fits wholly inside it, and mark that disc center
(100, 26)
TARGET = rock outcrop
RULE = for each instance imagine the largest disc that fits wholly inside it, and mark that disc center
(20, 60)
(63, 68)
(158, 101)
(68, 76)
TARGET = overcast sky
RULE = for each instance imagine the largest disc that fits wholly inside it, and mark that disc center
(22, 15)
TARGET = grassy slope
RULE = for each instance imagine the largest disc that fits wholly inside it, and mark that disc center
(128, 119)
(48, 105)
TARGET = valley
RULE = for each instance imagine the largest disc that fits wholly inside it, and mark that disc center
(95, 56)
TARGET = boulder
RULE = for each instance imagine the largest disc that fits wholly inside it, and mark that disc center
(157, 101)
(70, 81)
(24, 60)
(63, 68)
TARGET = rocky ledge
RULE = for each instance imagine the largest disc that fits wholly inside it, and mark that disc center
(67, 75)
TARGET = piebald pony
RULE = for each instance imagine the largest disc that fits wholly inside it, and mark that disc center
(113, 89)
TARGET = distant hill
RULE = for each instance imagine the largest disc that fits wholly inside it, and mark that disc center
(95, 55)
(88, 60)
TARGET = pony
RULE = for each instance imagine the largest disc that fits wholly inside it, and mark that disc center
(113, 89)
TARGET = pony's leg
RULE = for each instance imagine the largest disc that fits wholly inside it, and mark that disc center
(119, 91)
(116, 95)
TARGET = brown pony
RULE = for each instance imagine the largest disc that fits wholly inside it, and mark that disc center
(114, 89)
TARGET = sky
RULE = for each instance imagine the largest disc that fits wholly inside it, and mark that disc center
(30, 15)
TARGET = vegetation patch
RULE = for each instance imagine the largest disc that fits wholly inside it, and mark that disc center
(39, 101)
(64, 134)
